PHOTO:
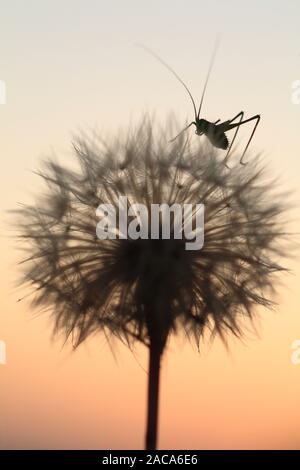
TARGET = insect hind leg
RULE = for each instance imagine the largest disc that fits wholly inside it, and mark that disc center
(232, 126)
(241, 116)
(257, 118)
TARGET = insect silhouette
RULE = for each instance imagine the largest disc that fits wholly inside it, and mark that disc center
(214, 131)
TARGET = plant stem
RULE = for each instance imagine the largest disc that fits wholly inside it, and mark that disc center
(153, 393)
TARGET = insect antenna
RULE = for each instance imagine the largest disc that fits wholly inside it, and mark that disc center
(172, 71)
(208, 73)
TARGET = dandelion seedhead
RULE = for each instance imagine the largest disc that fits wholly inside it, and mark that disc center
(146, 289)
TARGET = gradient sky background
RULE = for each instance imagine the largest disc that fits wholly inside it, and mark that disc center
(71, 65)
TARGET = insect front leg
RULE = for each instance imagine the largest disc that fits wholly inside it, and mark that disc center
(181, 132)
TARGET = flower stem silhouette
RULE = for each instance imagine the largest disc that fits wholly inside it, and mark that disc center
(145, 290)
(155, 353)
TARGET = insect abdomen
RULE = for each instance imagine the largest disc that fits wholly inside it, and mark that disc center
(222, 142)
(218, 139)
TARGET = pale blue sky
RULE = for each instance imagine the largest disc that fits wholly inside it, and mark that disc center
(70, 64)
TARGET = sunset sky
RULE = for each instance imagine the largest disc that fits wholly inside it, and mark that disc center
(71, 66)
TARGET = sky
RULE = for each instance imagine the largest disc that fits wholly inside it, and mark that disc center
(73, 65)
